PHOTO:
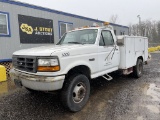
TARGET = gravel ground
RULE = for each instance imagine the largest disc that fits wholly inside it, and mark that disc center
(124, 98)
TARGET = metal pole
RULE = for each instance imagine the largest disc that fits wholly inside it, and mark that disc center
(139, 24)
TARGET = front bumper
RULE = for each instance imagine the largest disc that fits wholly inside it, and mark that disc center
(40, 83)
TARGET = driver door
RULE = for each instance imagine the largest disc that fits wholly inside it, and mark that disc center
(107, 52)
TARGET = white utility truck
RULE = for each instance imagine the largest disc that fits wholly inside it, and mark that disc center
(80, 56)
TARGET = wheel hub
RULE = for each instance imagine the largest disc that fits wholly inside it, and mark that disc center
(79, 92)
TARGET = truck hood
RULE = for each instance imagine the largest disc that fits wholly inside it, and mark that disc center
(50, 50)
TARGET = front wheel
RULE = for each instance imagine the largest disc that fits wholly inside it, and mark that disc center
(75, 92)
(138, 69)
(32, 91)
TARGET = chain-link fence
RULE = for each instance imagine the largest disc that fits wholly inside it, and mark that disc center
(8, 66)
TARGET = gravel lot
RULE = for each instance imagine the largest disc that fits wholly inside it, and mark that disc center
(124, 98)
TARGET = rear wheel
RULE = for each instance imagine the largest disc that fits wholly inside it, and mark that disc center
(138, 69)
(75, 92)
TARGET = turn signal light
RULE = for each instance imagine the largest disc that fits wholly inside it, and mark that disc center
(48, 68)
(106, 23)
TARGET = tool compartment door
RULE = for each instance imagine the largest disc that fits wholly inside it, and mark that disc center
(130, 51)
(139, 44)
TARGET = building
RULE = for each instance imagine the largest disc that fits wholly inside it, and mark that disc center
(23, 26)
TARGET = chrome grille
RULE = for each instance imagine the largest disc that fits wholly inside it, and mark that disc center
(25, 63)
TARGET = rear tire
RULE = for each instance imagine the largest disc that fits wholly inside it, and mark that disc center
(138, 69)
(75, 92)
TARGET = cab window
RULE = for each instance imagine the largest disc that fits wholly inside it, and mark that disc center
(106, 38)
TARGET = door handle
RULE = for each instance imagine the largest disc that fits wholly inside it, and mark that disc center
(92, 59)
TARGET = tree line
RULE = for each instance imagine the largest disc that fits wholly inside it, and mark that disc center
(148, 28)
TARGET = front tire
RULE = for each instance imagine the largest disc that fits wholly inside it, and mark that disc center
(75, 92)
(32, 91)
(138, 69)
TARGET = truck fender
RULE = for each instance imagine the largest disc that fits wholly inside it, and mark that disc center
(75, 64)
(139, 55)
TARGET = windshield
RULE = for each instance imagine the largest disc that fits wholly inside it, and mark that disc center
(87, 36)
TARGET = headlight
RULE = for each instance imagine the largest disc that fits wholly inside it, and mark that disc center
(47, 62)
(48, 65)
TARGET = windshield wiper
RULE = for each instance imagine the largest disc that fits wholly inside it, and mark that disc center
(75, 42)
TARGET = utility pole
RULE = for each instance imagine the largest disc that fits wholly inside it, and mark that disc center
(139, 24)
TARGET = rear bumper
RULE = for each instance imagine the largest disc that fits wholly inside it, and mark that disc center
(40, 83)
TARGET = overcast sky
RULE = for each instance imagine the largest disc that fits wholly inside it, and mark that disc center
(127, 10)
